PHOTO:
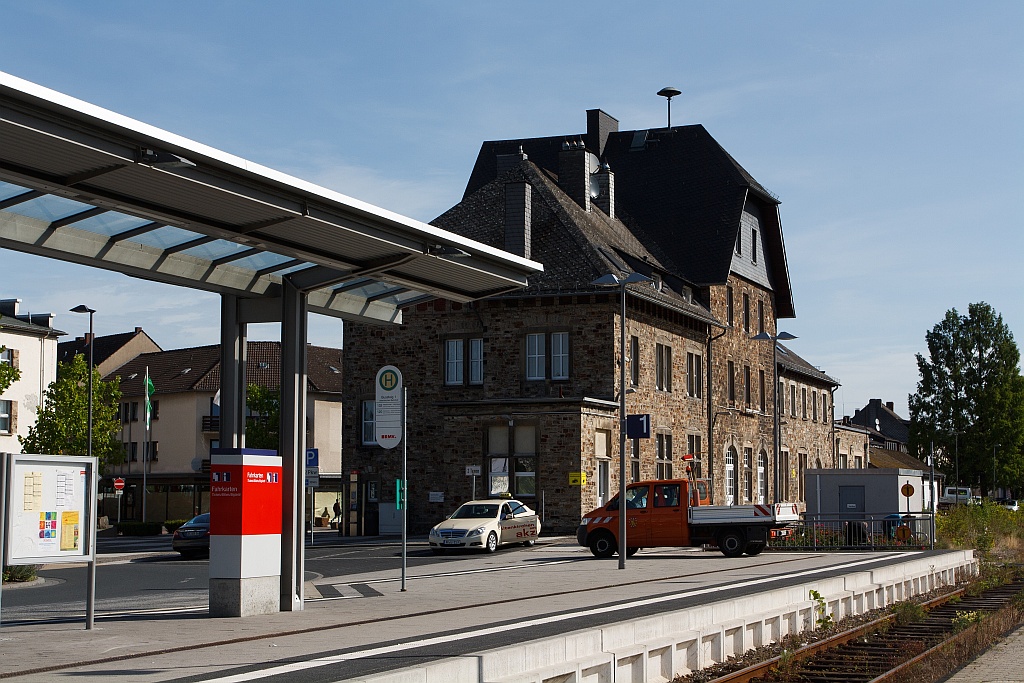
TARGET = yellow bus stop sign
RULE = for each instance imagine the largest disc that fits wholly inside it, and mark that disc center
(577, 479)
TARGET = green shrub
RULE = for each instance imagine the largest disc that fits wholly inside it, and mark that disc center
(20, 573)
(140, 528)
(172, 524)
(908, 613)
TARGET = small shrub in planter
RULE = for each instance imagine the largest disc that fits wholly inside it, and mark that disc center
(172, 524)
(140, 528)
(20, 573)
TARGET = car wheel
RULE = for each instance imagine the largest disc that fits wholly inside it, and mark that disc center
(731, 543)
(630, 552)
(529, 543)
(602, 545)
(754, 548)
(492, 542)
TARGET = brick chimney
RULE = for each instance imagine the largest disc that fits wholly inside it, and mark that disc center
(889, 405)
(605, 182)
(574, 172)
(510, 161)
(518, 218)
(599, 126)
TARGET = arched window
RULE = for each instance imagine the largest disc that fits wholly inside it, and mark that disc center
(748, 475)
(762, 478)
(730, 476)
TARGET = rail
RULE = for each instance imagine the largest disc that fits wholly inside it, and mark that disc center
(882, 531)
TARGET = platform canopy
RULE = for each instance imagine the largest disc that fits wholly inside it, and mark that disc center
(83, 184)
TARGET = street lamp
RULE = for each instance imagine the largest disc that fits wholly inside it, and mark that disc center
(91, 598)
(612, 280)
(774, 339)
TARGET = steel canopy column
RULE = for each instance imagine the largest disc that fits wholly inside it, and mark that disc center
(232, 374)
(293, 444)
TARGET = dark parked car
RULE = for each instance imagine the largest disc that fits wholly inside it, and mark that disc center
(193, 537)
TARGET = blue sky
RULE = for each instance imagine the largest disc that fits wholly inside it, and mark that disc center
(891, 131)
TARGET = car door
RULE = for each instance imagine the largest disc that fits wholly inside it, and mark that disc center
(507, 523)
(667, 515)
(638, 516)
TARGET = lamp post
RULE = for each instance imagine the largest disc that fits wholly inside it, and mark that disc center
(91, 598)
(612, 280)
(994, 469)
(774, 339)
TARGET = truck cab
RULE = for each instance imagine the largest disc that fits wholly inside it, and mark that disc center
(656, 515)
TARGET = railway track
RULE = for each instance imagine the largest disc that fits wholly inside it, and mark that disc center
(881, 650)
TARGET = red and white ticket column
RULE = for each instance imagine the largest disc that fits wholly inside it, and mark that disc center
(245, 532)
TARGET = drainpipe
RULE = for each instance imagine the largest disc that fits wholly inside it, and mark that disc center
(711, 413)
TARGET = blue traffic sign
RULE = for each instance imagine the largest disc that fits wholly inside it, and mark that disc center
(638, 426)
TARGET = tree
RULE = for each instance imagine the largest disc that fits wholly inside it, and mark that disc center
(62, 424)
(263, 427)
(8, 373)
(969, 403)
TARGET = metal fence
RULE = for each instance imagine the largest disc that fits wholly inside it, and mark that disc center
(891, 531)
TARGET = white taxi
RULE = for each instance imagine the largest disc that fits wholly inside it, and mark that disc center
(486, 524)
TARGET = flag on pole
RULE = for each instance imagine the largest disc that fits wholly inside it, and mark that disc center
(150, 390)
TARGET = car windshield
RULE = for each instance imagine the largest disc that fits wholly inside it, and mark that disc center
(483, 511)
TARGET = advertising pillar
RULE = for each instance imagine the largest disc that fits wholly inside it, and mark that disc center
(245, 532)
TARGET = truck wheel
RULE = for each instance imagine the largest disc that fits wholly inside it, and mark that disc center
(754, 548)
(492, 542)
(602, 545)
(731, 543)
(630, 552)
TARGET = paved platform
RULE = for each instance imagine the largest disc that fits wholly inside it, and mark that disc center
(667, 612)
(1001, 663)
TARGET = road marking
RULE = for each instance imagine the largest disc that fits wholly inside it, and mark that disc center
(505, 628)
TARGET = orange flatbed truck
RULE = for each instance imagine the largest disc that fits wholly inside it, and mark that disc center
(675, 513)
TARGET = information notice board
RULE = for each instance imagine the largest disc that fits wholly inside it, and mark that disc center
(48, 515)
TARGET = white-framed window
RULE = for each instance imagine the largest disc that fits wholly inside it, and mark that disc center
(367, 411)
(762, 478)
(694, 375)
(792, 400)
(803, 401)
(748, 474)
(843, 461)
(560, 355)
(456, 352)
(604, 481)
(634, 459)
(454, 364)
(476, 361)
(6, 356)
(784, 474)
(535, 365)
(512, 464)
(663, 460)
(6, 423)
(730, 476)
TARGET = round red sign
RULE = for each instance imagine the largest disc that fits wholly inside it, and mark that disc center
(118, 484)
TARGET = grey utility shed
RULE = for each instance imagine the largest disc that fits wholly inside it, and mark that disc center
(863, 493)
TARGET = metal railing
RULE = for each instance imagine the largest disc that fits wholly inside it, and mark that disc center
(882, 531)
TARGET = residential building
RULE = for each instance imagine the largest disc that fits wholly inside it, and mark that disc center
(525, 386)
(110, 351)
(805, 421)
(172, 459)
(888, 430)
(29, 341)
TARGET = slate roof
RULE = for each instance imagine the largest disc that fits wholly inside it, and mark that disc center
(576, 247)
(105, 347)
(679, 191)
(198, 369)
(890, 425)
(792, 363)
(883, 458)
(28, 327)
